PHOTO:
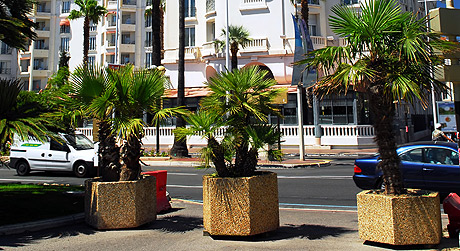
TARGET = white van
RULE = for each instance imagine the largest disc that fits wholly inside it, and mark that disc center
(74, 153)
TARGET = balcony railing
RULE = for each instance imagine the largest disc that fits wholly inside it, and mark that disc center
(43, 9)
(41, 47)
(40, 67)
(129, 2)
(6, 50)
(128, 41)
(93, 28)
(5, 70)
(349, 2)
(210, 5)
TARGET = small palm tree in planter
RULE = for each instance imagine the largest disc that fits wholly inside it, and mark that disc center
(237, 200)
(122, 198)
(387, 57)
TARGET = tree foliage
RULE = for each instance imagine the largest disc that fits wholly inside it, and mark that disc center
(16, 29)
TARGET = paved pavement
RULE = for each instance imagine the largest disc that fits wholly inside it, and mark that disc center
(181, 229)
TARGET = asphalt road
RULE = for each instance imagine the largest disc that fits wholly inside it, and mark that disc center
(329, 187)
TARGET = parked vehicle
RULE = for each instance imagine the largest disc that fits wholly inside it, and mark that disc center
(70, 152)
(425, 165)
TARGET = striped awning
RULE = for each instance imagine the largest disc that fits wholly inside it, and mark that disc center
(64, 22)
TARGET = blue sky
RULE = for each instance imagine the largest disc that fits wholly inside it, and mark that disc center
(456, 4)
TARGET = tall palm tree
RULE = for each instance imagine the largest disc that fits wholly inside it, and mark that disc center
(179, 148)
(157, 13)
(20, 114)
(237, 36)
(90, 11)
(388, 57)
(16, 29)
(241, 101)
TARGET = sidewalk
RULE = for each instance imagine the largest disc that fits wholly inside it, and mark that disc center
(313, 158)
(182, 229)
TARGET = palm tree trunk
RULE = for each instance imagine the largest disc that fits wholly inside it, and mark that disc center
(131, 154)
(304, 11)
(109, 153)
(179, 148)
(218, 158)
(156, 37)
(383, 110)
(234, 51)
(85, 40)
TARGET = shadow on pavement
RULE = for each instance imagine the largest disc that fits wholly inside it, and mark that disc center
(311, 232)
(176, 224)
(21, 240)
(446, 244)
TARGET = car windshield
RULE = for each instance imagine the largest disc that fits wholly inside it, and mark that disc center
(79, 141)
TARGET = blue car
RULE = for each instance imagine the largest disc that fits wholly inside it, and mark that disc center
(425, 165)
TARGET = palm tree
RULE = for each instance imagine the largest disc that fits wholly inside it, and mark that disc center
(157, 13)
(388, 57)
(135, 92)
(90, 11)
(16, 29)
(21, 114)
(241, 101)
(303, 9)
(237, 36)
(179, 148)
(92, 89)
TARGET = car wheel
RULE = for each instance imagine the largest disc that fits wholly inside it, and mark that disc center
(81, 169)
(22, 168)
(381, 185)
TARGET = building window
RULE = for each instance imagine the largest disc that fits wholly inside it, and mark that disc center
(64, 44)
(40, 44)
(211, 31)
(148, 39)
(36, 85)
(189, 36)
(312, 30)
(92, 43)
(65, 7)
(5, 49)
(91, 60)
(110, 59)
(125, 59)
(39, 64)
(65, 29)
(126, 39)
(148, 59)
(190, 8)
(337, 109)
(148, 20)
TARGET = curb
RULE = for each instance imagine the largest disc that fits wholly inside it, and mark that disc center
(42, 224)
(318, 163)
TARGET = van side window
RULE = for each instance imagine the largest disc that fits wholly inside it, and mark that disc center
(57, 146)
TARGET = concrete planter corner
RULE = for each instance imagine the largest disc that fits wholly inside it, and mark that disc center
(241, 206)
(121, 204)
(413, 219)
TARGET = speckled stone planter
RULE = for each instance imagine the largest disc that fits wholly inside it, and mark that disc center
(400, 220)
(240, 206)
(122, 204)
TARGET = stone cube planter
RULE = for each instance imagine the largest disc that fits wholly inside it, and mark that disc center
(122, 204)
(410, 219)
(240, 206)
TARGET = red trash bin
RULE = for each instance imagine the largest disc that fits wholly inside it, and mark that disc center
(162, 200)
(451, 205)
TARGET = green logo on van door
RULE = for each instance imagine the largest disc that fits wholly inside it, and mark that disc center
(31, 145)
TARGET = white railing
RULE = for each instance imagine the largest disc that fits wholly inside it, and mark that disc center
(350, 135)
(256, 44)
(253, 1)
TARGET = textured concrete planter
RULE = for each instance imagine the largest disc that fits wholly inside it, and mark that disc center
(122, 204)
(241, 206)
(400, 220)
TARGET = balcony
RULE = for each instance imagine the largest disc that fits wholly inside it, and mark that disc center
(130, 2)
(349, 2)
(249, 5)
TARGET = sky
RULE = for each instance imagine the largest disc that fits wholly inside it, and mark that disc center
(443, 4)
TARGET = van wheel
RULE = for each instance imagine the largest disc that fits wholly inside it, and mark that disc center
(22, 168)
(81, 169)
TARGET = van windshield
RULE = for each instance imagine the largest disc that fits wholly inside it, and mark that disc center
(79, 141)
